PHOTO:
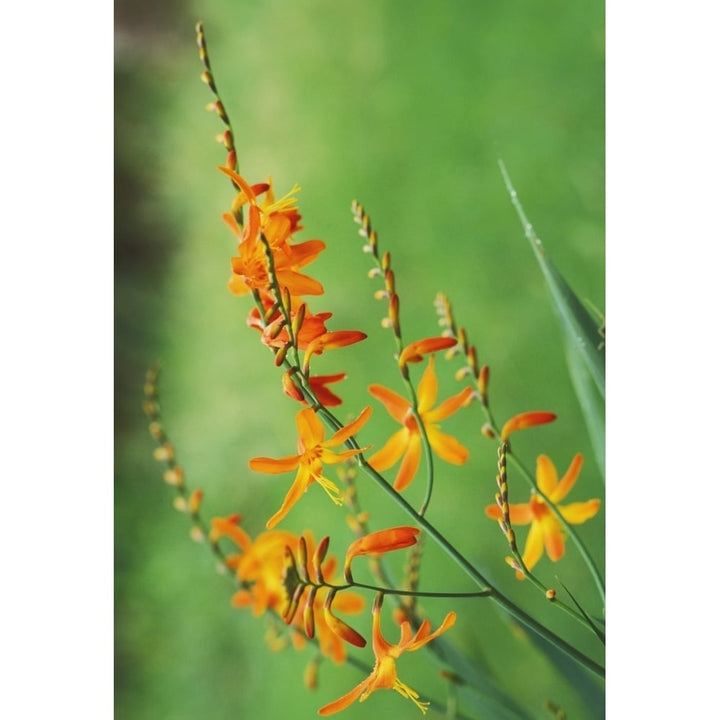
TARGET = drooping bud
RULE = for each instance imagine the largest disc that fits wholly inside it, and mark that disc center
(340, 628)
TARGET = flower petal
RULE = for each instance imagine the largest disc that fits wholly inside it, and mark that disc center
(446, 408)
(534, 546)
(382, 541)
(546, 475)
(427, 388)
(310, 430)
(274, 466)
(446, 446)
(576, 513)
(299, 284)
(519, 514)
(350, 429)
(414, 352)
(391, 452)
(395, 404)
(568, 480)
(553, 537)
(410, 464)
(526, 420)
(346, 700)
(297, 490)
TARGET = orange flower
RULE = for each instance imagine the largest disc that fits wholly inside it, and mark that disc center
(330, 341)
(276, 221)
(525, 420)
(275, 333)
(407, 443)
(313, 453)
(545, 528)
(384, 674)
(261, 566)
(379, 542)
(415, 351)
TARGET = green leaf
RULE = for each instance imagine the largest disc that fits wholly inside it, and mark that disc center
(576, 320)
(591, 405)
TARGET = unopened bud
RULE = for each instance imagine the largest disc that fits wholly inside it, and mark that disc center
(174, 476)
(164, 452)
(550, 594)
(394, 313)
(156, 430)
(194, 501)
(487, 431)
(196, 533)
(281, 353)
(390, 281)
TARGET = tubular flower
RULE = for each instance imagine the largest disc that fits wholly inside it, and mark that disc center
(545, 529)
(525, 420)
(415, 351)
(384, 674)
(381, 541)
(407, 443)
(330, 341)
(313, 452)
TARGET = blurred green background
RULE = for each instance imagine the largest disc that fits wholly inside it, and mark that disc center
(406, 107)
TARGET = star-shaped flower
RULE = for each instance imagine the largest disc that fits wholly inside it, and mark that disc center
(313, 452)
(545, 529)
(407, 442)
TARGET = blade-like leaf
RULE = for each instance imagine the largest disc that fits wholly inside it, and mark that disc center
(592, 408)
(577, 321)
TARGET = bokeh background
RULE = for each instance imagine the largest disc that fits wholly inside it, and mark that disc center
(406, 107)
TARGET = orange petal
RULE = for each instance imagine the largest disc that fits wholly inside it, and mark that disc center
(576, 513)
(395, 404)
(410, 463)
(446, 408)
(553, 537)
(297, 490)
(546, 475)
(423, 638)
(391, 452)
(350, 429)
(346, 700)
(568, 480)
(526, 420)
(446, 446)
(519, 514)
(305, 252)
(427, 388)
(414, 352)
(382, 541)
(534, 546)
(273, 466)
(299, 284)
(311, 431)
